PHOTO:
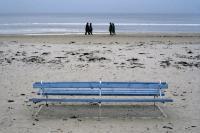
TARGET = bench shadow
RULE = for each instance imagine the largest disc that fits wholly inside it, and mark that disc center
(105, 111)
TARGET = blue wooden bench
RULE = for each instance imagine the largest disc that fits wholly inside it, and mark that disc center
(152, 91)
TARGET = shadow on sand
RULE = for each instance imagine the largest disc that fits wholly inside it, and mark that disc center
(60, 111)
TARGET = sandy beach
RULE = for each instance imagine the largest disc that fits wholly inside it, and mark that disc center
(174, 58)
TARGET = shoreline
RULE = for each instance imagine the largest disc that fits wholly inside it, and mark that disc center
(122, 38)
(127, 34)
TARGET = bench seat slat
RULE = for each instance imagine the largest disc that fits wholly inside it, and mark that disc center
(103, 89)
(36, 100)
(102, 85)
(104, 93)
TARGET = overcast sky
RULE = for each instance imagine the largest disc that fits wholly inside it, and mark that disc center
(98, 6)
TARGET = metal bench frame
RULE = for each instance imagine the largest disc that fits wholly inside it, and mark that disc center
(155, 89)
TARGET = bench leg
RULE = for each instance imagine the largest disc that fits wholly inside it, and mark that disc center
(46, 101)
(161, 110)
(37, 113)
(99, 113)
(154, 104)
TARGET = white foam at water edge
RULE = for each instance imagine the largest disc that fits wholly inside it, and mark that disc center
(68, 33)
(151, 24)
(100, 24)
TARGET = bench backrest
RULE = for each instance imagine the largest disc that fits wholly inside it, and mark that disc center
(133, 85)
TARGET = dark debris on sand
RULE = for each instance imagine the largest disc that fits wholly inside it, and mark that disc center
(134, 63)
(190, 52)
(186, 64)
(61, 57)
(45, 53)
(132, 60)
(197, 57)
(73, 117)
(11, 101)
(72, 42)
(142, 53)
(139, 65)
(167, 127)
(34, 59)
(166, 63)
(55, 61)
(89, 56)
(18, 53)
(94, 59)
(72, 53)
(7, 60)
(22, 94)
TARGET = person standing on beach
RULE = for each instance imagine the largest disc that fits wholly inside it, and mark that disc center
(110, 28)
(113, 28)
(87, 29)
(90, 29)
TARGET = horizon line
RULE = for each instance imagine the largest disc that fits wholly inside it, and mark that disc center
(99, 13)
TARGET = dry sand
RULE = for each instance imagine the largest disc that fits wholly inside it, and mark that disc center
(171, 58)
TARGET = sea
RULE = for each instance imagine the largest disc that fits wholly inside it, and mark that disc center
(74, 23)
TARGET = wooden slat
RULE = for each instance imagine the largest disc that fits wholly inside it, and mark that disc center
(162, 85)
(103, 92)
(36, 100)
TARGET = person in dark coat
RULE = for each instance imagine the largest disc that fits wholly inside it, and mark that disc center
(110, 28)
(87, 29)
(113, 28)
(90, 29)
